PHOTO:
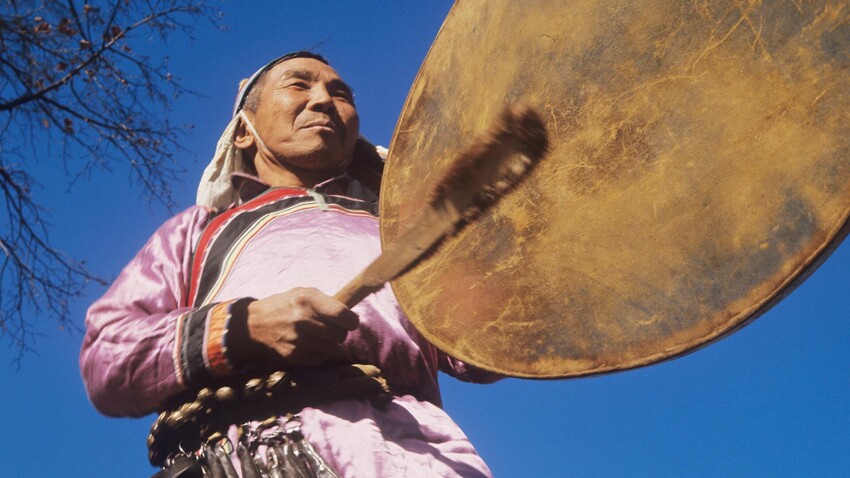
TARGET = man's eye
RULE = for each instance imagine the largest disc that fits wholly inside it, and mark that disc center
(298, 85)
(344, 95)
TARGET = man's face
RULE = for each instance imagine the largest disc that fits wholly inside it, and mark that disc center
(306, 117)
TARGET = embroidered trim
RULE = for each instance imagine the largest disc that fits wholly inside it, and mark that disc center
(215, 358)
(176, 353)
(227, 235)
(216, 224)
(191, 351)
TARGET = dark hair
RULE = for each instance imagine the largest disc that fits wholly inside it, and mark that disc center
(249, 97)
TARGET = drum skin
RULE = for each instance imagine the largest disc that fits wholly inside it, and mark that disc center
(699, 169)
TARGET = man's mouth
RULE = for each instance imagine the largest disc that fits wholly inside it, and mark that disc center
(323, 124)
(328, 125)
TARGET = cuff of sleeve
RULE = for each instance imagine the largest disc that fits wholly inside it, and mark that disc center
(201, 353)
(236, 334)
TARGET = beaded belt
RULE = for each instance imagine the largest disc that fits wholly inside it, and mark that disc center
(191, 440)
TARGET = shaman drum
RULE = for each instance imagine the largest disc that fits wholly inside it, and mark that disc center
(700, 168)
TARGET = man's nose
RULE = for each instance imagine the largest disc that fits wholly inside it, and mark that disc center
(321, 99)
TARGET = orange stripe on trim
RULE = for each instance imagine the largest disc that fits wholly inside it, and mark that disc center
(217, 363)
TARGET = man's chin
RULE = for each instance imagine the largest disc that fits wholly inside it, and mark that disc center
(319, 162)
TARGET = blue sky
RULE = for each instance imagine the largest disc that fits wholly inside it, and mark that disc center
(771, 400)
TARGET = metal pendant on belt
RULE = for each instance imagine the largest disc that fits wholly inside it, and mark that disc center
(287, 455)
(182, 466)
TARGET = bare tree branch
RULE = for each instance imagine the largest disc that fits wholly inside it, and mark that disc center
(70, 76)
(105, 47)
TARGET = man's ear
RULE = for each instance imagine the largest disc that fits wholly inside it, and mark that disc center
(244, 138)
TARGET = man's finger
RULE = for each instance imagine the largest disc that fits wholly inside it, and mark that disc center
(330, 310)
(345, 319)
(324, 330)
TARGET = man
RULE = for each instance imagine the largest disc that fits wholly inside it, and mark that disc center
(218, 292)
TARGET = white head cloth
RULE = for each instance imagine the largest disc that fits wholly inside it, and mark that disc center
(216, 188)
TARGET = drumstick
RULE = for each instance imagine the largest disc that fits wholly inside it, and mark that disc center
(490, 166)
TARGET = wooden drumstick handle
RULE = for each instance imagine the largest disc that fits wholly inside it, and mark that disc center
(357, 290)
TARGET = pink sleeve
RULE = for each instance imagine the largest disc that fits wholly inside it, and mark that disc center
(131, 354)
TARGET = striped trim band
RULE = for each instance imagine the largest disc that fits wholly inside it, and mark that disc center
(200, 353)
(225, 238)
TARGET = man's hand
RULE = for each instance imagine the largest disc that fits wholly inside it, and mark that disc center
(300, 326)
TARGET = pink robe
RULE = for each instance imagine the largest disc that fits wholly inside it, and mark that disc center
(160, 329)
